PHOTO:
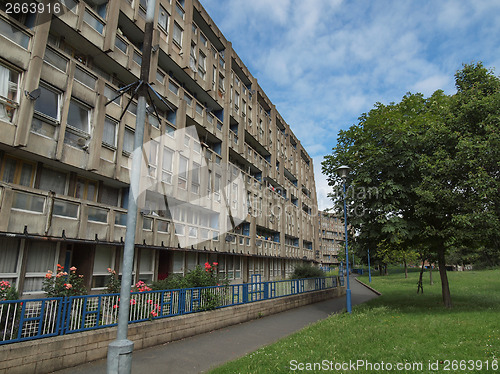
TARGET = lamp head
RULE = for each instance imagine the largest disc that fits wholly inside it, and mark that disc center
(343, 171)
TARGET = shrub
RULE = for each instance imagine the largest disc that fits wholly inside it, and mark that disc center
(7, 292)
(113, 284)
(63, 284)
(306, 271)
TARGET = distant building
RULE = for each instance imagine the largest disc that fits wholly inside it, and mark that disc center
(331, 239)
(239, 185)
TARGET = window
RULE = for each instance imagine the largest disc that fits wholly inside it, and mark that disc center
(128, 140)
(192, 56)
(18, 171)
(132, 108)
(221, 83)
(111, 94)
(9, 260)
(183, 172)
(41, 256)
(188, 99)
(55, 59)
(146, 265)
(203, 39)
(109, 132)
(108, 195)
(13, 33)
(152, 158)
(104, 258)
(93, 21)
(168, 156)
(85, 78)
(169, 130)
(163, 19)
(195, 178)
(179, 10)
(160, 76)
(137, 58)
(217, 187)
(52, 180)
(8, 93)
(85, 189)
(186, 141)
(121, 44)
(77, 131)
(202, 65)
(173, 87)
(177, 34)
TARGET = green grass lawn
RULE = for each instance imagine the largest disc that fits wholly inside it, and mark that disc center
(398, 327)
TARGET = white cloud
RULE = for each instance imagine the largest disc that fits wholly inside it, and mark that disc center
(324, 63)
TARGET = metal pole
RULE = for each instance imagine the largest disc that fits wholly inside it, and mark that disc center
(120, 350)
(369, 270)
(348, 289)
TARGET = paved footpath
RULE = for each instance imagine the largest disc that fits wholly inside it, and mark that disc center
(199, 353)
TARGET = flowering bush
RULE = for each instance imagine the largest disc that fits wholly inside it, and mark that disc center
(113, 284)
(63, 284)
(7, 292)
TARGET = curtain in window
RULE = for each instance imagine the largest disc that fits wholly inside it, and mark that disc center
(103, 259)
(41, 257)
(109, 133)
(9, 254)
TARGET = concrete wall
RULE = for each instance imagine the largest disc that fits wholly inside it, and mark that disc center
(50, 354)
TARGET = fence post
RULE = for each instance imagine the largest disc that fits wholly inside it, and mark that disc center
(182, 300)
(63, 318)
(266, 290)
(245, 293)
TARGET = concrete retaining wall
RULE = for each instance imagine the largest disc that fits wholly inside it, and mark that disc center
(50, 354)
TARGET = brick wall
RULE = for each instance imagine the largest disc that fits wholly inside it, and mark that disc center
(50, 354)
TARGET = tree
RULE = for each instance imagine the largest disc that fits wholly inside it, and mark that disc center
(425, 171)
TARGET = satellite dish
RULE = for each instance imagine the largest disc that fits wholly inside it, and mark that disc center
(33, 95)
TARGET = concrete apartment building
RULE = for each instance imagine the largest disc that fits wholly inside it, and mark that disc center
(219, 150)
(331, 239)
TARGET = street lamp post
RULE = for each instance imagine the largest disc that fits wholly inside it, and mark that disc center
(343, 171)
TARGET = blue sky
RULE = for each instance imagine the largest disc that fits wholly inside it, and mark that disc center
(325, 62)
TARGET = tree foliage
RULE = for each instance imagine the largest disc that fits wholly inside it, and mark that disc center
(425, 172)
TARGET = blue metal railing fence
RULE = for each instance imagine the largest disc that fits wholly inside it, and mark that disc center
(30, 319)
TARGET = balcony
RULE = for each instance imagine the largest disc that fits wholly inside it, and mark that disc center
(27, 211)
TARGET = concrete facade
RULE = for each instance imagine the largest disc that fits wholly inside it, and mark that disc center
(218, 145)
(331, 238)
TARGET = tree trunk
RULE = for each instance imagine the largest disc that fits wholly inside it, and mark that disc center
(406, 269)
(430, 275)
(386, 270)
(445, 287)
(420, 285)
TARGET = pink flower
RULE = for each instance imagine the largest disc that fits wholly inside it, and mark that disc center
(48, 275)
(115, 306)
(133, 302)
(215, 263)
(154, 314)
(72, 268)
(67, 285)
(150, 301)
